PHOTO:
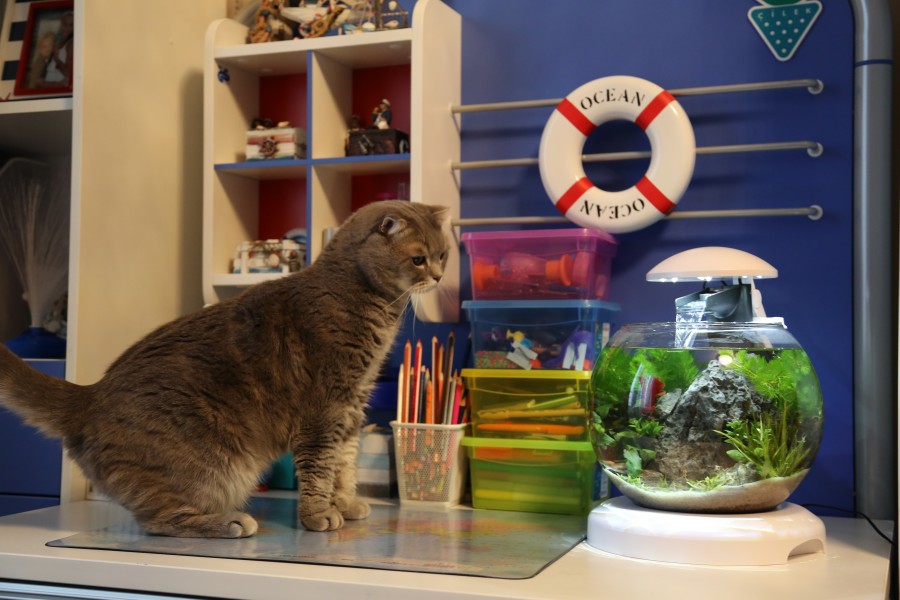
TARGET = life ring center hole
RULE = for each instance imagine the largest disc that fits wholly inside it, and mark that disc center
(614, 137)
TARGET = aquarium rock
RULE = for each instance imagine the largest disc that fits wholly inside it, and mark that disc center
(688, 447)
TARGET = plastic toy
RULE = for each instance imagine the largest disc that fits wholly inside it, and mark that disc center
(521, 268)
(577, 352)
(522, 353)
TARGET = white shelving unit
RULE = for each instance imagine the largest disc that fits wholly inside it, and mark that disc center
(231, 190)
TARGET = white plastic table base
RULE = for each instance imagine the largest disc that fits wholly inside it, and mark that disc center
(620, 527)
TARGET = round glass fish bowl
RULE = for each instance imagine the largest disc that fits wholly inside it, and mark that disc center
(706, 417)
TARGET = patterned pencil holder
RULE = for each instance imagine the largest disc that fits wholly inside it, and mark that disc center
(431, 463)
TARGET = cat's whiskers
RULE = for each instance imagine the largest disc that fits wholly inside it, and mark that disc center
(407, 294)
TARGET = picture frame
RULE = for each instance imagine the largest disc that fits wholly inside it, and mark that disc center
(47, 56)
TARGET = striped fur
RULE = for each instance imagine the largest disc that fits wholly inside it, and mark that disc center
(185, 421)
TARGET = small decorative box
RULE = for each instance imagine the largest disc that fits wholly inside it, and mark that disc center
(268, 256)
(377, 141)
(279, 142)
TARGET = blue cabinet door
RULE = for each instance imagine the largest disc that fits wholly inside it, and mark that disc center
(30, 464)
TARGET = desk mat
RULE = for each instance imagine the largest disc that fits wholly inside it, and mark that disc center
(485, 543)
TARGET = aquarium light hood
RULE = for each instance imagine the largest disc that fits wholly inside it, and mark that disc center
(737, 300)
(712, 263)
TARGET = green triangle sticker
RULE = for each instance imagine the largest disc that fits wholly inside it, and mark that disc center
(783, 27)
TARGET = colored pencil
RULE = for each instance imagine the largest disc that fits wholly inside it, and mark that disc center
(448, 407)
(423, 386)
(457, 398)
(416, 383)
(435, 371)
(439, 385)
(400, 386)
(429, 399)
(403, 382)
(448, 365)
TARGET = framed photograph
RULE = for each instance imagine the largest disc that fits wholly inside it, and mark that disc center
(45, 63)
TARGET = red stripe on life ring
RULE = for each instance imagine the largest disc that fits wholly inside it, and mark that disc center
(653, 109)
(572, 194)
(656, 197)
(575, 117)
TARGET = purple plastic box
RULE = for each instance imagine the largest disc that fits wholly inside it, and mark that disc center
(547, 264)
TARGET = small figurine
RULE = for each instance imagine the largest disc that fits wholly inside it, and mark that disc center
(353, 125)
(522, 353)
(268, 26)
(381, 115)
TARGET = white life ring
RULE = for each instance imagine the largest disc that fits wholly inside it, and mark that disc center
(672, 147)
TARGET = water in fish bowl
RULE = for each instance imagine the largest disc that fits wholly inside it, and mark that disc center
(706, 417)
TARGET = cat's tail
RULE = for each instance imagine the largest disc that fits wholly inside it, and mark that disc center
(51, 404)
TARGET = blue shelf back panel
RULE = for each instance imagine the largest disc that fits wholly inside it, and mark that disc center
(30, 464)
(528, 50)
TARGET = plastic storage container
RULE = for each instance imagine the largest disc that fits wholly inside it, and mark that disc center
(539, 334)
(550, 264)
(546, 405)
(543, 476)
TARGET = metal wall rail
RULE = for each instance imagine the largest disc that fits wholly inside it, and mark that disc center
(814, 86)
(814, 212)
(812, 148)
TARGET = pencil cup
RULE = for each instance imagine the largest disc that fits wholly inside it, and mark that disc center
(431, 463)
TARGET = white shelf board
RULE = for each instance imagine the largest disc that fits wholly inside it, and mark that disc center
(263, 170)
(376, 49)
(36, 127)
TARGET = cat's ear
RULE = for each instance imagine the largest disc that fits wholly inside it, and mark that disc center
(391, 226)
(441, 213)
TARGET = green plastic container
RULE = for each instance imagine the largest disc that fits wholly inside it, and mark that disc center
(542, 405)
(545, 476)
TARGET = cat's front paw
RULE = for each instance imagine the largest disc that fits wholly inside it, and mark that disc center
(353, 508)
(323, 520)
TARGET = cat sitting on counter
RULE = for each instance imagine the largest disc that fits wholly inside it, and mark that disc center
(184, 422)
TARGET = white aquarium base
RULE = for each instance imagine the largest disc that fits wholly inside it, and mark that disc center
(620, 527)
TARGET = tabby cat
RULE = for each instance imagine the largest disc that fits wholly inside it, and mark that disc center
(181, 426)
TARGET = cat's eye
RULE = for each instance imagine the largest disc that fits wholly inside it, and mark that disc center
(418, 260)
(443, 255)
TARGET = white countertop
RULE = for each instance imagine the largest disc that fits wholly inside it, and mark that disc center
(856, 564)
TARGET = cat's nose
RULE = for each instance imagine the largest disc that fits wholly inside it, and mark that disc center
(437, 278)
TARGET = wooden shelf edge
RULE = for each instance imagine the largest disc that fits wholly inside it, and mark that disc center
(297, 168)
(36, 105)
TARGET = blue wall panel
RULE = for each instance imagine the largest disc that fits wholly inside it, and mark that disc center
(526, 50)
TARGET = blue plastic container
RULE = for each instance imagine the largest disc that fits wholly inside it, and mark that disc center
(539, 334)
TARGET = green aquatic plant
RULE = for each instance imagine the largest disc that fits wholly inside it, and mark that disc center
(768, 444)
(773, 443)
(676, 368)
(610, 386)
(611, 382)
(787, 378)
(708, 483)
(635, 441)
